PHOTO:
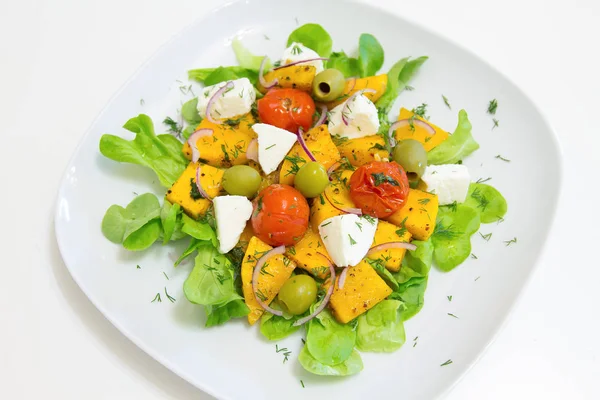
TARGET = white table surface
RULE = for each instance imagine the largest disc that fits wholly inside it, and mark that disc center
(61, 61)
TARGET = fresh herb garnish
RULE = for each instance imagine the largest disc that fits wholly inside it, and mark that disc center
(446, 363)
(481, 180)
(511, 241)
(285, 351)
(492, 107)
(449, 298)
(369, 219)
(424, 201)
(171, 298)
(271, 146)
(482, 201)
(359, 225)
(295, 167)
(446, 102)
(476, 279)
(322, 199)
(138, 267)
(225, 153)
(156, 298)
(473, 256)
(352, 241)
(166, 276)
(325, 224)
(499, 157)
(173, 127)
(302, 383)
(496, 123)
(486, 237)
(194, 192)
(421, 111)
(445, 232)
(142, 102)
(452, 315)
(381, 178)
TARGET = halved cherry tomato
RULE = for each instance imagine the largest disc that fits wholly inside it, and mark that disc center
(280, 215)
(379, 188)
(287, 109)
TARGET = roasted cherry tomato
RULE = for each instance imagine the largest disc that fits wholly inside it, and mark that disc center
(287, 109)
(280, 215)
(379, 188)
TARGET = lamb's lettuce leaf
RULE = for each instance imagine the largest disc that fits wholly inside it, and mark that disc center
(370, 55)
(199, 230)
(487, 201)
(352, 365)
(161, 153)
(328, 341)
(458, 146)
(347, 65)
(189, 112)
(381, 329)
(313, 36)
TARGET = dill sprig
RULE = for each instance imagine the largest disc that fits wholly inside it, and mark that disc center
(448, 362)
(492, 107)
(446, 102)
(171, 298)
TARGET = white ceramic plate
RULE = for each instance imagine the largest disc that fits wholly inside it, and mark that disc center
(233, 361)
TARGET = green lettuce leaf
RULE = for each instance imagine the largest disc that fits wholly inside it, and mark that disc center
(144, 237)
(487, 201)
(218, 315)
(199, 230)
(458, 146)
(161, 153)
(211, 281)
(314, 37)
(119, 223)
(411, 293)
(398, 77)
(379, 267)
(452, 235)
(381, 329)
(192, 247)
(352, 365)
(212, 76)
(170, 218)
(189, 112)
(274, 327)
(370, 55)
(347, 65)
(246, 59)
(328, 341)
(416, 263)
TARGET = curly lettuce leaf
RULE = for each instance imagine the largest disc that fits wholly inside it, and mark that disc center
(313, 36)
(416, 263)
(218, 315)
(328, 341)
(352, 365)
(458, 146)
(211, 281)
(487, 201)
(161, 153)
(381, 329)
(370, 55)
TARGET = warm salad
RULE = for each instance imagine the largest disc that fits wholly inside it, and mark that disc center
(306, 203)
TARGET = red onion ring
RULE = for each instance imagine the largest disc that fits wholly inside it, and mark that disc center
(303, 144)
(353, 83)
(300, 62)
(391, 245)
(257, 268)
(347, 102)
(229, 85)
(323, 115)
(332, 169)
(356, 211)
(321, 307)
(193, 141)
(261, 78)
(407, 121)
(199, 186)
(342, 279)
(252, 150)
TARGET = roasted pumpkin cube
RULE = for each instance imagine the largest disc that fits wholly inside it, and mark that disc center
(353, 85)
(419, 133)
(185, 186)
(318, 140)
(310, 254)
(362, 290)
(276, 271)
(227, 145)
(387, 233)
(296, 77)
(364, 150)
(335, 198)
(418, 214)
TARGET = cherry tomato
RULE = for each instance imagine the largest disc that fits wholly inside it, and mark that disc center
(379, 188)
(287, 109)
(280, 215)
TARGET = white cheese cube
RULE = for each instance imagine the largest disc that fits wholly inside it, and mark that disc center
(231, 214)
(348, 238)
(361, 115)
(273, 145)
(299, 52)
(232, 103)
(449, 182)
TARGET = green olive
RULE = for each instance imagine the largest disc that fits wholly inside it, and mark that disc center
(328, 85)
(297, 294)
(411, 155)
(241, 180)
(311, 179)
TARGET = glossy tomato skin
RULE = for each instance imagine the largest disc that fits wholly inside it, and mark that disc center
(379, 188)
(280, 215)
(287, 109)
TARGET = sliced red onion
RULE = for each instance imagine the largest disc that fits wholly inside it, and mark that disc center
(199, 185)
(324, 303)
(261, 78)
(405, 122)
(349, 210)
(353, 83)
(301, 62)
(193, 141)
(332, 169)
(323, 115)
(252, 150)
(391, 245)
(342, 279)
(347, 103)
(304, 146)
(256, 273)
(228, 86)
